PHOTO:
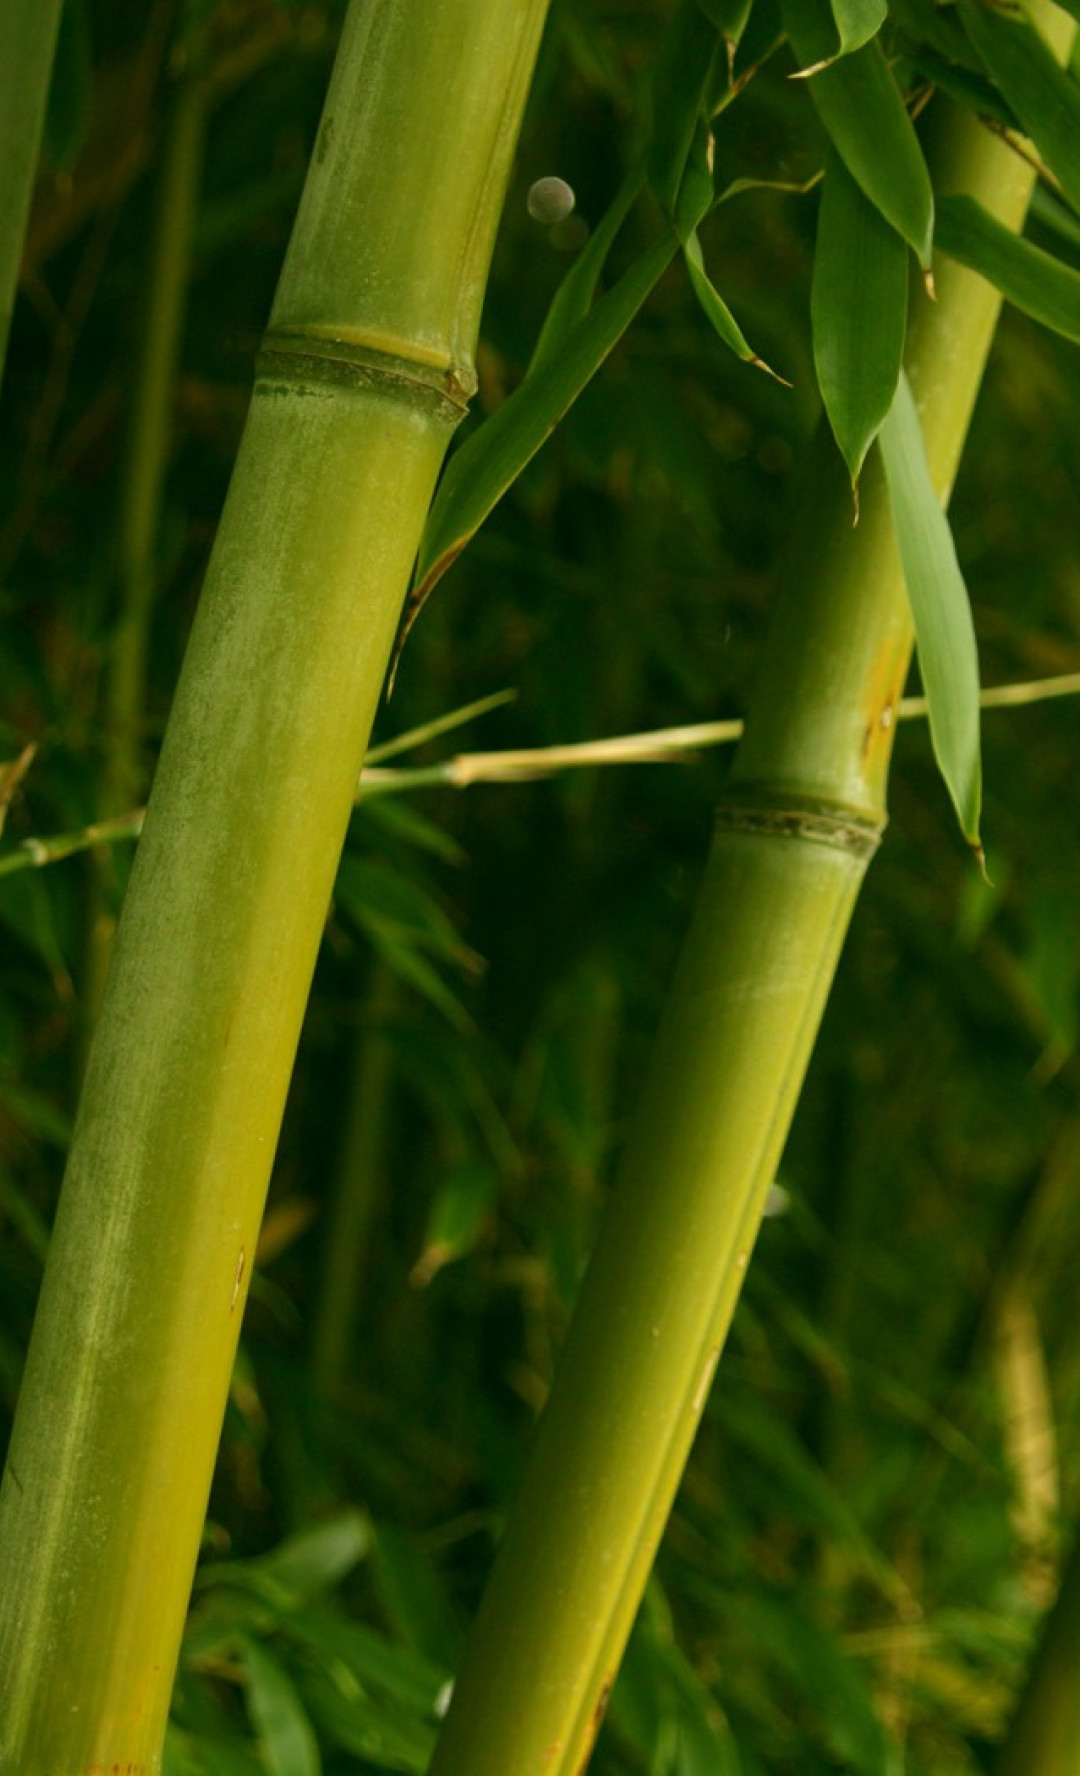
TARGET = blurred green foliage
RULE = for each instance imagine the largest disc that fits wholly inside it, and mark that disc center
(866, 1536)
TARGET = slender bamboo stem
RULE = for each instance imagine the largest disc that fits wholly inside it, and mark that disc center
(802, 817)
(366, 368)
(28, 32)
(1044, 1738)
(148, 444)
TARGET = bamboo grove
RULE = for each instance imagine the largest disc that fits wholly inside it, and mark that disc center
(801, 1486)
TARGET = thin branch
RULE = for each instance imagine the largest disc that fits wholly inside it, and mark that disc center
(662, 746)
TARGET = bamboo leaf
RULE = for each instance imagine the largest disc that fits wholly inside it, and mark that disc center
(286, 1736)
(717, 309)
(860, 106)
(683, 72)
(858, 308)
(1031, 279)
(574, 296)
(729, 17)
(491, 460)
(945, 635)
(857, 21)
(1044, 97)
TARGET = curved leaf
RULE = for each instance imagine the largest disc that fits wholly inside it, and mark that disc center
(1044, 97)
(944, 633)
(860, 106)
(858, 309)
(1044, 287)
(717, 309)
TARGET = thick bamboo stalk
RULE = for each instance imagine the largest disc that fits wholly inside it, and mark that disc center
(801, 820)
(365, 370)
(28, 31)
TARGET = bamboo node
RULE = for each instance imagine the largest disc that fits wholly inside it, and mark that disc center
(840, 830)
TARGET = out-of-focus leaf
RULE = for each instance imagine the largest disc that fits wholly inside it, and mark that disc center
(717, 309)
(860, 105)
(379, 1666)
(1035, 281)
(287, 1742)
(413, 1596)
(304, 1565)
(729, 17)
(832, 1684)
(1043, 95)
(945, 635)
(858, 306)
(71, 91)
(397, 817)
(365, 1728)
(458, 1216)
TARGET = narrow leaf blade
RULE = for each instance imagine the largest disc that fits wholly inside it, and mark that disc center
(860, 105)
(1035, 281)
(945, 635)
(858, 309)
(857, 21)
(717, 309)
(1044, 97)
(479, 473)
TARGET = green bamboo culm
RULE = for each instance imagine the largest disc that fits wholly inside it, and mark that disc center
(28, 33)
(805, 807)
(365, 371)
(1044, 1737)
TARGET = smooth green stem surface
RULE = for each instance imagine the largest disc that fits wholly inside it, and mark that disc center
(360, 387)
(28, 32)
(806, 802)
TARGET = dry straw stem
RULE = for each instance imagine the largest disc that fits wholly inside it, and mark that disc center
(365, 370)
(805, 805)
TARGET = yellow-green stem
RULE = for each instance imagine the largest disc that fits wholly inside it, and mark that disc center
(1044, 1739)
(805, 806)
(365, 369)
(28, 32)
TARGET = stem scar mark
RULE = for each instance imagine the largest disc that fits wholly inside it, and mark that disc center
(237, 1279)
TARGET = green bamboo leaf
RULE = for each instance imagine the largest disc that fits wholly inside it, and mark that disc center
(287, 1741)
(858, 308)
(683, 72)
(574, 296)
(945, 635)
(860, 106)
(857, 21)
(1044, 97)
(1044, 287)
(717, 309)
(491, 460)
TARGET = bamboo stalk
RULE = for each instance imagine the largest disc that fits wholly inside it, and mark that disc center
(365, 371)
(801, 819)
(1044, 1738)
(28, 32)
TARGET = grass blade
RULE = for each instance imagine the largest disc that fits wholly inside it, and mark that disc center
(945, 635)
(1031, 279)
(860, 105)
(1038, 89)
(858, 345)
